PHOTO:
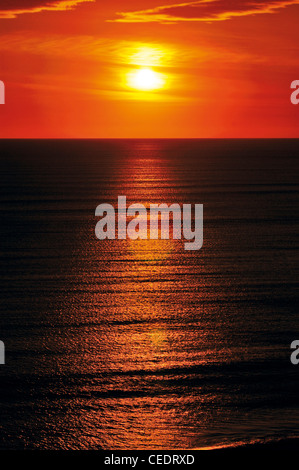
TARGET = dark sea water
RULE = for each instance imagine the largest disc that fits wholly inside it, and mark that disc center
(141, 344)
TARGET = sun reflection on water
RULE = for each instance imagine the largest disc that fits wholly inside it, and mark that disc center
(148, 347)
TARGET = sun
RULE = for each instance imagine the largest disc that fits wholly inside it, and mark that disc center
(146, 79)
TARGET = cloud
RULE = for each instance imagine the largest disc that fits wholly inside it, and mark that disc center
(203, 10)
(12, 8)
(124, 53)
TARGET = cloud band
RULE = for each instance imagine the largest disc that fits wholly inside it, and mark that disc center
(17, 7)
(203, 10)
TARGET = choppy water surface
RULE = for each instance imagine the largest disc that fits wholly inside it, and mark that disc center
(141, 344)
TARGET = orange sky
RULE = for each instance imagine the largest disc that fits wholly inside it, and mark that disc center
(227, 67)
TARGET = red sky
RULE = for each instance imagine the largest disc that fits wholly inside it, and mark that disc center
(226, 65)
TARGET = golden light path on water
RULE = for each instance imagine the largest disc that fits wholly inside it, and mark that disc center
(150, 343)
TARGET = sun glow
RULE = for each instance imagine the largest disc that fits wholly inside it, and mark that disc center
(146, 79)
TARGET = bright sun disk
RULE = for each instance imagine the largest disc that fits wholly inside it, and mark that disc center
(146, 79)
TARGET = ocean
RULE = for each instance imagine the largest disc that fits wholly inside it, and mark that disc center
(140, 344)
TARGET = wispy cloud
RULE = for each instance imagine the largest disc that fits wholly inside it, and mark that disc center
(121, 52)
(202, 10)
(13, 8)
